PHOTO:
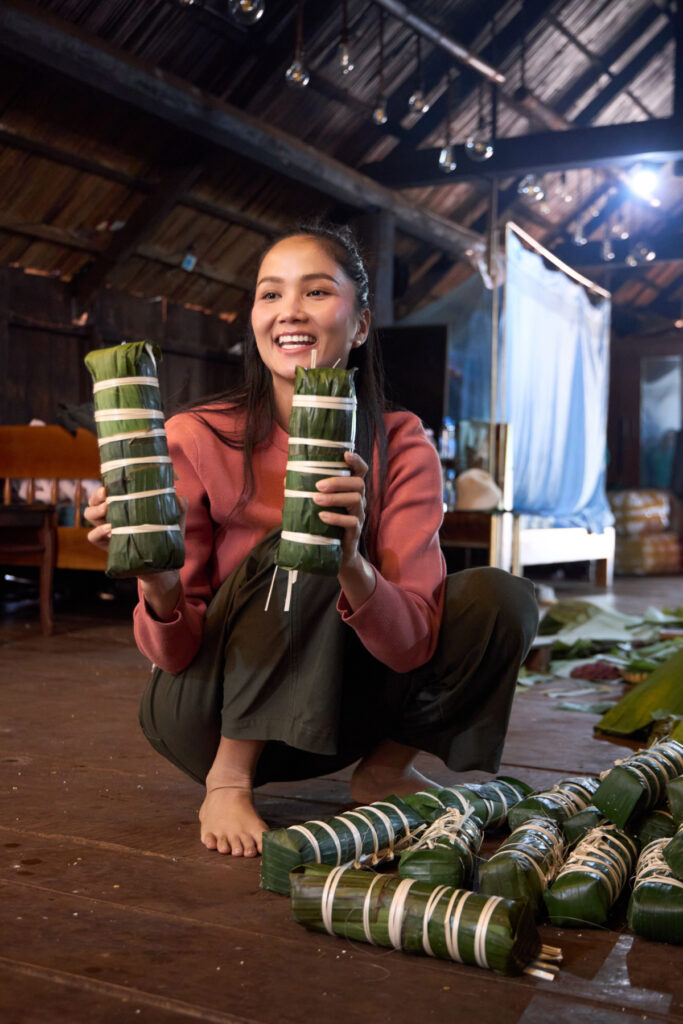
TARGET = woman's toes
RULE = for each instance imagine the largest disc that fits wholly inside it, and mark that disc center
(223, 845)
(210, 841)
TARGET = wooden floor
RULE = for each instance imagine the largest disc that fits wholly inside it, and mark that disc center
(111, 911)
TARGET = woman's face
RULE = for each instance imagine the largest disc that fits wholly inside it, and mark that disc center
(304, 303)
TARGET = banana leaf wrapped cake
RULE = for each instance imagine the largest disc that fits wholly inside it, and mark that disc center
(576, 827)
(673, 853)
(491, 801)
(637, 784)
(416, 917)
(657, 824)
(371, 832)
(674, 795)
(564, 800)
(525, 863)
(655, 909)
(322, 428)
(592, 878)
(445, 852)
(136, 468)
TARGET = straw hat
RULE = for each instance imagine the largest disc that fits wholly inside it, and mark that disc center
(476, 489)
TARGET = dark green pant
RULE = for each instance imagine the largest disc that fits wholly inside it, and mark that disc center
(302, 680)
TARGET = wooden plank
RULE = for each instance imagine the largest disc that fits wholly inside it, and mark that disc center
(37, 36)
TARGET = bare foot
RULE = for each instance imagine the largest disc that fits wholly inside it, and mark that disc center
(375, 781)
(230, 823)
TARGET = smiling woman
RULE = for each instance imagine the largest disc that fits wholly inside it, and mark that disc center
(384, 660)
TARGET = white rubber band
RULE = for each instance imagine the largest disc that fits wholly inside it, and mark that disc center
(357, 838)
(308, 835)
(104, 415)
(318, 468)
(451, 922)
(158, 460)
(335, 838)
(340, 402)
(319, 442)
(391, 834)
(120, 382)
(289, 493)
(481, 930)
(145, 528)
(370, 826)
(329, 889)
(396, 810)
(131, 435)
(396, 911)
(308, 538)
(434, 897)
(366, 910)
(139, 494)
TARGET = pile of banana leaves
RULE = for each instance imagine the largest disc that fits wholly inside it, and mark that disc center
(136, 468)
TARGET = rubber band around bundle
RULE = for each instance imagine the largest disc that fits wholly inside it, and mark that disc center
(122, 382)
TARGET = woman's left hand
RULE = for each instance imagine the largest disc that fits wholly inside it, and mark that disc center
(343, 498)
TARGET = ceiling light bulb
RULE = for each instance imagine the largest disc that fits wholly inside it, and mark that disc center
(379, 114)
(643, 181)
(479, 146)
(297, 74)
(606, 250)
(530, 189)
(417, 102)
(619, 230)
(447, 159)
(246, 12)
(579, 237)
(345, 62)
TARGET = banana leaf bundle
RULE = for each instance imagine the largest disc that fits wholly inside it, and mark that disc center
(416, 917)
(322, 427)
(655, 909)
(491, 801)
(576, 827)
(136, 468)
(592, 878)
(659, 695)
(445, 853)
(674, 793)
(658, 824)
(525, 863)
(673, 854)
(637, 784)
(371, 832)
(565, 799)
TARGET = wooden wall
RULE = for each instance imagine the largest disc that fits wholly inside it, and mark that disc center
(42, 349)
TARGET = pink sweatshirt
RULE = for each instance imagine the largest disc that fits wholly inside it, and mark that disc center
(399, 622)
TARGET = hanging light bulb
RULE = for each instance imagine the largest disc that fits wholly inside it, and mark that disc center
(479, 146)
(379, 114)
(417, 102)
(447, 161)
(245, 12)
(297, 73)
(640, 253)
(619, 230)
(530, 189)
(562, 192)
(345, 61)
(606, 250)
(579, 237)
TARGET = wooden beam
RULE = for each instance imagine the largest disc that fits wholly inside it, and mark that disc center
(48, 233)
(32, 34)
(202, 269)
(139, 227)
(603, 146)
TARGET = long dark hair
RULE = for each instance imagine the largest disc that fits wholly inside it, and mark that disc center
(254, 395)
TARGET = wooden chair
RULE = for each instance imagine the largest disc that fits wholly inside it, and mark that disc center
(30, 534)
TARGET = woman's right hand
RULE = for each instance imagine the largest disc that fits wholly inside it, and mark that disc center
(96, 514)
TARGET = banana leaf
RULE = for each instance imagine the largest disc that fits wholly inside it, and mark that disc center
(655, 909)
(445, 853)
(307, 543)
(674, 793)
(566, 798)
(415, 917)
(370, 832)
(576, 827)
(136, 468)
(491, 800)
(658, 824)
(592, 878)
(525, 863)
(661, 693)
(673, 854)
(637, 784)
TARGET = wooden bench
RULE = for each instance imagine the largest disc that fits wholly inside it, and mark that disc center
(30, 534)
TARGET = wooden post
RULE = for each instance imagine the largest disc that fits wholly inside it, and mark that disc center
(4, 342)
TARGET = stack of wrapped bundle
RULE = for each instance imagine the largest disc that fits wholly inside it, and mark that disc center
(413, 916)
(136, 468)
(576, 827)
(655, 909)
(564, 800)
(525, 863)
(373, 832)
(637, 784)
(491, 801)
(322, 428)
(592, 878)
(445, 853)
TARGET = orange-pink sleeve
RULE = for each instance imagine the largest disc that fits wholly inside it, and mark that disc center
(173, 644)
(399, 623)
